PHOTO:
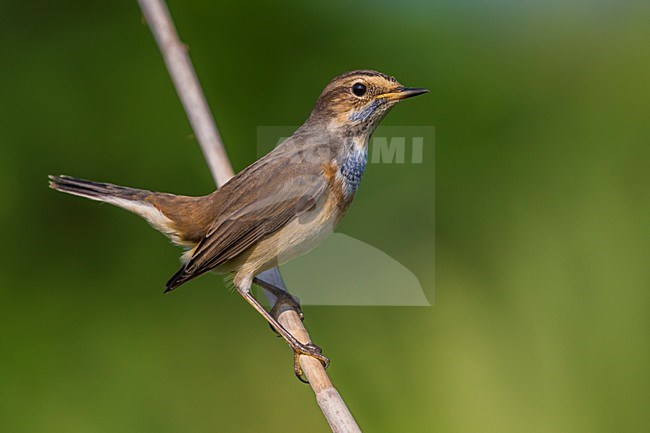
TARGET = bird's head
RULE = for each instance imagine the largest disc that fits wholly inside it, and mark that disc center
(354, 103)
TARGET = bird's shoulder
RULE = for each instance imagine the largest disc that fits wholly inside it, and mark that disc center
(294, 164)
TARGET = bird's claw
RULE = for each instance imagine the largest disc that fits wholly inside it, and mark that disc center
(284, 298)
(287, 299)
(309, 349)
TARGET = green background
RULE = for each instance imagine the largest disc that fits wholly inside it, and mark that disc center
(540, 320)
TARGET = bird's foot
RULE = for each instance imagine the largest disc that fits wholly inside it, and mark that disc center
(309, 349)
(284, 298)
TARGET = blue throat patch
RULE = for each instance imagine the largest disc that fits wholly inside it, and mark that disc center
(363, 115)
(352, 168)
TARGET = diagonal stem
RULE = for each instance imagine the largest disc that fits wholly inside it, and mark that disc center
(180, 68)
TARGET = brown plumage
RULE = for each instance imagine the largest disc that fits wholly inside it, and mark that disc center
(280, 206)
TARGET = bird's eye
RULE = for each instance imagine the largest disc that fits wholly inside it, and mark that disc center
(358, 89)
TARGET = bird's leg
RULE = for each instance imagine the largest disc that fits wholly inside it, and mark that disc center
(282, 297)
(298, 348)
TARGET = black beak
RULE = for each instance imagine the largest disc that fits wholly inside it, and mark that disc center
(409, 92)
(403, 93)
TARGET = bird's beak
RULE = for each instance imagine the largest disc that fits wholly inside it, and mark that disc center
(403, 93)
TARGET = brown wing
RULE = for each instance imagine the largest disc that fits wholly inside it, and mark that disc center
(257, 202)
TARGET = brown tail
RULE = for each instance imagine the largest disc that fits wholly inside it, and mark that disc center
(182, 219)
(96, 190)
(139, 201)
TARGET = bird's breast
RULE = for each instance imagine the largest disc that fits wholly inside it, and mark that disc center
(351, 167)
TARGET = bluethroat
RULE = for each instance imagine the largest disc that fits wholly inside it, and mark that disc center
(277, 208)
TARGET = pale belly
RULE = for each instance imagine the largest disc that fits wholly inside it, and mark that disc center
(298, 237)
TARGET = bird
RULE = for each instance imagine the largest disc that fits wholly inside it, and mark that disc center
(277, 208)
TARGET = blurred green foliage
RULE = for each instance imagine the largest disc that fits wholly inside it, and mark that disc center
(540, 322)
